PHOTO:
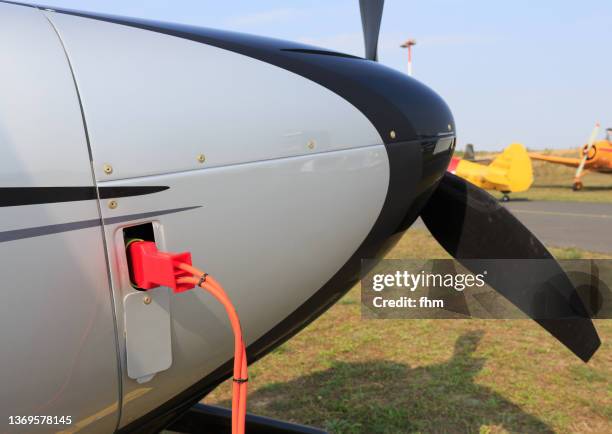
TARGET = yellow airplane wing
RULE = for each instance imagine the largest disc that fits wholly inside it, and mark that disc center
(572, 162)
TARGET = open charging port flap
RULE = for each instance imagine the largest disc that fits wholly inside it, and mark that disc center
(147, 313)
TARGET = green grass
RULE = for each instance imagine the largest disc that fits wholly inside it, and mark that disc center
(350, 375)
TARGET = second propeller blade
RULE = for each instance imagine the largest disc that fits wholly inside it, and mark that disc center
(471, 225)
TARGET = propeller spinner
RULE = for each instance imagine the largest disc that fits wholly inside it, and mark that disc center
(587, 151)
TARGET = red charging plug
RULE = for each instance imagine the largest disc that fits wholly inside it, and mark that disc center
(151, 268)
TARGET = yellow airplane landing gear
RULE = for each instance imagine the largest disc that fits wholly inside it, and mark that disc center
(578, 185)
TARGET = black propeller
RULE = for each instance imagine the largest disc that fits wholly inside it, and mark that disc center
(476, 230)
(472, 226)
(371, 16)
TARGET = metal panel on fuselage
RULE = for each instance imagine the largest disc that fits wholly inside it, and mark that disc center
(154, 102)
(57, 335)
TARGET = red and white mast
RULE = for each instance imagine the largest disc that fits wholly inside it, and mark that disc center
(408, 44)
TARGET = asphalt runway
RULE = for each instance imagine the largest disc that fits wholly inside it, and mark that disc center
(587, 226)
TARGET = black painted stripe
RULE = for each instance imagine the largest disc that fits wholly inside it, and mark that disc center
(18, 196)
(118, 191)
(37, 231)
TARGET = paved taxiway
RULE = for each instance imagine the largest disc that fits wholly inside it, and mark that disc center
(584, 225)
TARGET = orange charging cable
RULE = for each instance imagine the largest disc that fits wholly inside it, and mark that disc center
(150, 268)
(239, 387)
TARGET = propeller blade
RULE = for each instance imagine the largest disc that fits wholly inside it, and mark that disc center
(470, 224)
(586, 154)
(371, 16)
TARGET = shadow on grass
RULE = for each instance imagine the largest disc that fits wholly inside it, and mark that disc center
(388, 397)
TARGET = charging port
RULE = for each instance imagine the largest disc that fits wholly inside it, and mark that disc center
(142, 232)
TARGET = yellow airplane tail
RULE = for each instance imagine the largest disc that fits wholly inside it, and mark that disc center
(511, 170)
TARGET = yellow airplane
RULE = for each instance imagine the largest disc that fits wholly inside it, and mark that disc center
(595, 156)
(509, 172)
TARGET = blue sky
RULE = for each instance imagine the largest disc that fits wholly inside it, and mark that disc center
(533, 71)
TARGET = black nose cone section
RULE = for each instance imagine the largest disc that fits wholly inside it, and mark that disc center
(415, 124)
(401, 108)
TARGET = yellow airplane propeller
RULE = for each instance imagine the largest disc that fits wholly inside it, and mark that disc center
(585, 156)
(595, 156)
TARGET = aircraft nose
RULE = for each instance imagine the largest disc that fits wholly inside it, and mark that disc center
(400, 107)
(414, 123)
(589, 152)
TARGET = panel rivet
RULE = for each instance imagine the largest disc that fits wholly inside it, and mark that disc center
(201, 158)
(112, 204)
(108, 169)
(146, 299)
(392, 134)
(311, 144)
